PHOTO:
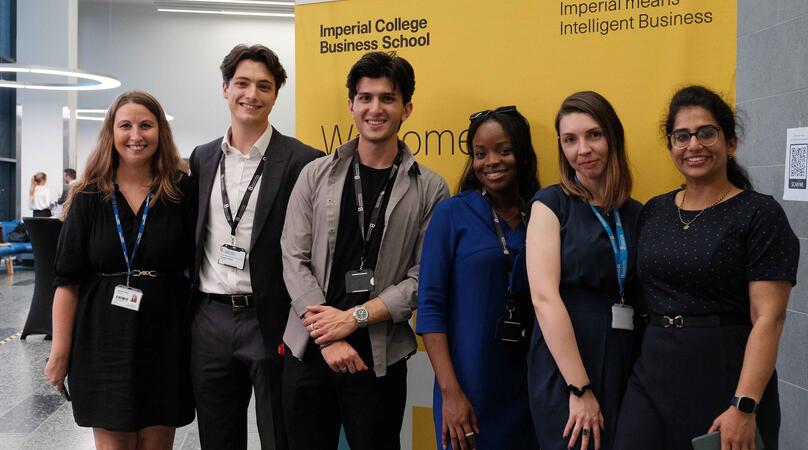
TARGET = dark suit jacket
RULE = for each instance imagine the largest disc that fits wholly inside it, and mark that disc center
(285, 158)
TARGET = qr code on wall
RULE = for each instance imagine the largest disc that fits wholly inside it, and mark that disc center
(798, 160)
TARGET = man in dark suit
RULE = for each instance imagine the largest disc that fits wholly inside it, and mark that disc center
(241, 304)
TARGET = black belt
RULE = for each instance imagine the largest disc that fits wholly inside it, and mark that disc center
(710, 321)
(141, 273)
(237, 301)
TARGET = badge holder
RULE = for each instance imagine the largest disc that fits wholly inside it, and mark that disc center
(509, 329)
(231, 255)
(359, 281)
(622, 316)
(126, 296)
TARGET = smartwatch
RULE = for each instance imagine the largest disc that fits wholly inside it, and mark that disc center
(745, 405)
(360, 314)
(578, 392)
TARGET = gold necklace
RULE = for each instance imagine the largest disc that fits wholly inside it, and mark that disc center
(684, 196)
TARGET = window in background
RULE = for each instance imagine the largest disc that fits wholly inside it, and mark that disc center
(8, 121)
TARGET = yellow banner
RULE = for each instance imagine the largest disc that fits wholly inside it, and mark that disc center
(471, 55)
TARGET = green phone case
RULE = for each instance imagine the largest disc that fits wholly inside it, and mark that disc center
(712, 441)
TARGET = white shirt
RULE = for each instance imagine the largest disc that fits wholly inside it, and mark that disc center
(215, 278)
(41, 198)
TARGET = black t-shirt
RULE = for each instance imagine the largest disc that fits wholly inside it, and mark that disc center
(707, 268)
(349, 246)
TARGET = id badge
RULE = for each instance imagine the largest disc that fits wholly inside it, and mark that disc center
(232, 256)
(127, 297)
(510, 331)
(622, 317)
(358, 281)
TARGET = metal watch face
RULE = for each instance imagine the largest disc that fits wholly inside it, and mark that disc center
(361, 314)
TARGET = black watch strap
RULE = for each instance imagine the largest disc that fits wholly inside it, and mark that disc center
(578, 391)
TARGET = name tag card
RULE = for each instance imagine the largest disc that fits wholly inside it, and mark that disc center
(232, 256)
(127, 297)
(357, 281)
(622, 316)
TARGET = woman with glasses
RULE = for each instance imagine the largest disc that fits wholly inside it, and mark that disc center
(581, 252)
(468, 311)
(717, 261)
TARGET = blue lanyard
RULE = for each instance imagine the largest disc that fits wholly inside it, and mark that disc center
(619, 248)
(126, 256)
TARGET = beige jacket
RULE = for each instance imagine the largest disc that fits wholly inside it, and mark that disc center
(309, 238)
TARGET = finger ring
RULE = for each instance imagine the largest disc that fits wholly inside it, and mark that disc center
(470, 434)
(311, 327)
(585, 432)
(343, 369)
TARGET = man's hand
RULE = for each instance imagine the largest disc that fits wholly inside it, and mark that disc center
(341, 357)
(328, 324)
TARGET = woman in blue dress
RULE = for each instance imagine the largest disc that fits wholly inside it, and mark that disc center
(581, 252)
(480, 393)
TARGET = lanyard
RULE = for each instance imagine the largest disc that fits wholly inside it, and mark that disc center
(502, 241)
(360, 209)
(244, 199)
(619, 248)
(126, 256)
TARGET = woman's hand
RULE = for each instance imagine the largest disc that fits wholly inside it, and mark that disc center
(585, 420)
(56, 370)
(459, 421)
(737, 429)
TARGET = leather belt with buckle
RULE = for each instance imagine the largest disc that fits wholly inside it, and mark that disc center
(237, 301)
(705, 321)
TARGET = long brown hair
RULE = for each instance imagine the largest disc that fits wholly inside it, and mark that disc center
(618, 175)
(103, 161)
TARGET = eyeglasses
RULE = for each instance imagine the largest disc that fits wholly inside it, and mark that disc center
(488, 112)
(707, 135)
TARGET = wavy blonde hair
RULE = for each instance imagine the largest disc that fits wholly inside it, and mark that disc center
(166, 163)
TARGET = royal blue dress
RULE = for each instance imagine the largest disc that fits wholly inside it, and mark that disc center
(462, 292)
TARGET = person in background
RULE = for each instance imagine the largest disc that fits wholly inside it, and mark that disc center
(581, 253)
(716, 261)
(120, 333)
(69, 178)
(39, 196)
(468, 309)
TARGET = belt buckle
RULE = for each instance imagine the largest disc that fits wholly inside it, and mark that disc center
(144, 273)
(676, 321)
(244, 297)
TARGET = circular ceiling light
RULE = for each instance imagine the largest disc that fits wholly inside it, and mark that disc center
(91, 81)
(98, 114)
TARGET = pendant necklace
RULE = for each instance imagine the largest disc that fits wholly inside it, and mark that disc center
(686, 224)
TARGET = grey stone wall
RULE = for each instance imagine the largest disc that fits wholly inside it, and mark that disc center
(772, 89)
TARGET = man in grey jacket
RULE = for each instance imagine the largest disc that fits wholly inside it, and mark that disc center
(351, 250)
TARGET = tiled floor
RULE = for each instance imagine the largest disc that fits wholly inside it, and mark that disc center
(32, 415)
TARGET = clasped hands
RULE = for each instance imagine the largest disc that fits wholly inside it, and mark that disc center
(328, 326)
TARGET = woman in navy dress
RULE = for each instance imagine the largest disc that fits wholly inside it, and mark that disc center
(480, 393)
(716, 261)
(581, 249)
(119, 330)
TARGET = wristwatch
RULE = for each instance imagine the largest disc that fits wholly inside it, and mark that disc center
(745, 405)
(360, 314)
(578, 392)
